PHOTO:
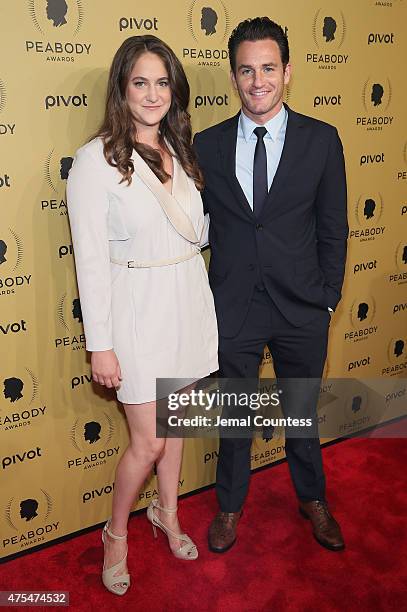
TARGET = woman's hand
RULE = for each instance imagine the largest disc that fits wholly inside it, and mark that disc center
(105, 368)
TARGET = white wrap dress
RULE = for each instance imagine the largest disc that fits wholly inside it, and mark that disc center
(158, 317)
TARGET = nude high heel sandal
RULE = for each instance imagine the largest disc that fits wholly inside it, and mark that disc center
(188, 550)
(112, 582)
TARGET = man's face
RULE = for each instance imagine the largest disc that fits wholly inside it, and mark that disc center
(260, 78)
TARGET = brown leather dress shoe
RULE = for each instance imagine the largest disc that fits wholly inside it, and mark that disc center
(222, 531)
(325, 528)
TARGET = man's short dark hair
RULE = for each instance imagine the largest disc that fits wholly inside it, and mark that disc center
(259, 28)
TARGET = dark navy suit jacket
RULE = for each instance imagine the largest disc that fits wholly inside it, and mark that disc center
(297, 246)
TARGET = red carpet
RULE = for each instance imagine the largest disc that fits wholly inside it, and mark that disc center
(275, 565)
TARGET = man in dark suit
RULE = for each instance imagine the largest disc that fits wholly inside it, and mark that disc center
(276, 196)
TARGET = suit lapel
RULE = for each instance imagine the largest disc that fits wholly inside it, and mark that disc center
(227, 147)
(292, 151)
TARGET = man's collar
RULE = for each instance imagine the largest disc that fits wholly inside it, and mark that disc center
(272, 126)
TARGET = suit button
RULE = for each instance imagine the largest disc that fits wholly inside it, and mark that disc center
(251, 266)
(259, 226)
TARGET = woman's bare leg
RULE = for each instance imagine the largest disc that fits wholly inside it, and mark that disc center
(131, 472)
(168, 473)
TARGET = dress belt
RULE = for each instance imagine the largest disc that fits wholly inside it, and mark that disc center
(158, 262)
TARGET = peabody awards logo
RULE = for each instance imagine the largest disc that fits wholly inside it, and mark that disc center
(397, 357)
(93, 442)
(399, 276)
(376, 99)
(329, 33)
(57, 166)
(361, 317)
(18, 401)
(368, 211)
(402, 174)
(208, 24)
(69, 318)
(13, 275)
(58, 22)
(35, 508)
(271, 448)
(356, 412)
(5, 128)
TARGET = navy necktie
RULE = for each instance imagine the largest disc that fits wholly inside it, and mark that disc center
(260, 185)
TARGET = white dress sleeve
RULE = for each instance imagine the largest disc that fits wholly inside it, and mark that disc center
(88, 210)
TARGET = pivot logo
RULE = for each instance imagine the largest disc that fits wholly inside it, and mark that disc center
(21, 390)
(376, 99)
(5, 128)
(97, 493)
(368, 212)
(211, 456)
(211, 101)
(57, 166)
(328, 100)
(69, 317)
(20, 457)
(363, 266)
(368, 158)
(361, 317)
(397, 357)
(57, 21)
(12, 277)
(328, 32)
(4, 181)
(399, 276)
(83, 379)
(374, 39)
(400, 308)
(208, 25)
(13, 328)
(34, 508)
(62, 101)
(138, 23)
(87, 432)
(396, 395)
(358, 363)
(65, 249)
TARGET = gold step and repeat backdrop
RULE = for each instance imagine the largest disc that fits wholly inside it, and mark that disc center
(60, 436)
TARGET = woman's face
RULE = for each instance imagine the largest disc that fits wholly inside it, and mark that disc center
(148, 92)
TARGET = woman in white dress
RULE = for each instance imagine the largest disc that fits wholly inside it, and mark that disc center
(137, 225)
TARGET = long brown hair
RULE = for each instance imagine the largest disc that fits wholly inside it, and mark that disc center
(118, 130)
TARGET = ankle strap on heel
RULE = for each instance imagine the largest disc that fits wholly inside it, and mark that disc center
(169, 510)
(112, 535)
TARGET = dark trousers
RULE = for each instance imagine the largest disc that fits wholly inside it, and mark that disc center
(297, 352)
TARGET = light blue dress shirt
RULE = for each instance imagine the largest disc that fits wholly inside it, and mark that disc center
(246, 145)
